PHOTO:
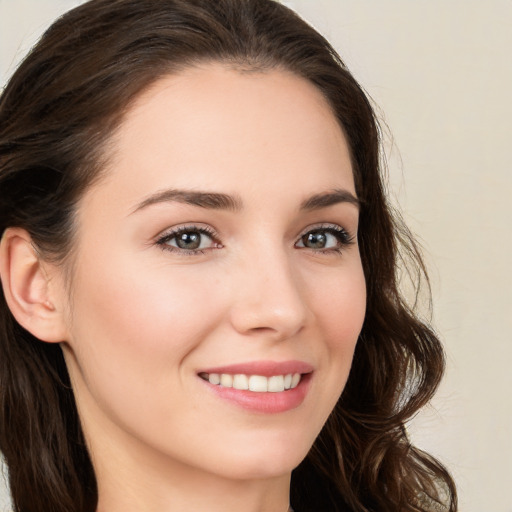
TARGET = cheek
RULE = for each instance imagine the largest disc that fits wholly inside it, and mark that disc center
(150, 307)
(134, 327)
(339, 307)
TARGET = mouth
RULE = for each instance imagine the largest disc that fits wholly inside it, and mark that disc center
(261, 387)
(254, 383)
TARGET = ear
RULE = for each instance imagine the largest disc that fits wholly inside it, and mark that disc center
(30, 292)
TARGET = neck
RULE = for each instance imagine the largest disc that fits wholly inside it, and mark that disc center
(152, 485)
(134, 476)
(183, 495)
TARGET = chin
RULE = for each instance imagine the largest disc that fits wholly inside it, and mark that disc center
(265, 460)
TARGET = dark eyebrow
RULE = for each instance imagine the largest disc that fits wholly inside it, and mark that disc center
(219, 201)
(326, 199)
(211, 200)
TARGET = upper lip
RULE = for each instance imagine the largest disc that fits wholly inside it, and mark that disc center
(263, 368)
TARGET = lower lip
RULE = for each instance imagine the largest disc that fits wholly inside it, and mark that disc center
(269, 403)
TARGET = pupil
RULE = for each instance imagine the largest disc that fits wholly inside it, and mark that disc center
(315, 240)
(188, 240)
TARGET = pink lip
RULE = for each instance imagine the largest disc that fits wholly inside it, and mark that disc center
(269, 403)
(263, 368)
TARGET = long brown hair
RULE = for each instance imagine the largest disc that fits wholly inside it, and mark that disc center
(57, 114)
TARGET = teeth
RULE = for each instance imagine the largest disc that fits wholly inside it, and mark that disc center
(226, 380)
(276, 384)
(241, 382)
(214, 378)
(256, 383)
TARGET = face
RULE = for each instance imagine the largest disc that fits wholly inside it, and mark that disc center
(218, 252)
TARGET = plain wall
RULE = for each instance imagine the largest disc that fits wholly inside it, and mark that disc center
(441, 72)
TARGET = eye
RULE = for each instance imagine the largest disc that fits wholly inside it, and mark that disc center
(190, 239)
(330, 238)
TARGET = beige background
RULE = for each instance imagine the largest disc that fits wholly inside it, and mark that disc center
(441, 71)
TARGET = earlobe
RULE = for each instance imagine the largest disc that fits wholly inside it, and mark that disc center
(28, 288)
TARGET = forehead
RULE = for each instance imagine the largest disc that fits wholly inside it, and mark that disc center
(212, 127)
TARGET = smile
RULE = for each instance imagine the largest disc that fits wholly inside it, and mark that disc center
(255, 383)
(267, 387)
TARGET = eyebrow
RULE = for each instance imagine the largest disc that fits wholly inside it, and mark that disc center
(220, 201)
(326, 199)
(210, 200)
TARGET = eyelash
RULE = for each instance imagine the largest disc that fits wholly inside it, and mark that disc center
(344, 239)
(170, 235)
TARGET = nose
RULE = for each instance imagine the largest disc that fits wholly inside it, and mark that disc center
(269, 300)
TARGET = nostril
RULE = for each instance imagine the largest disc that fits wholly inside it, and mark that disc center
(269, 307)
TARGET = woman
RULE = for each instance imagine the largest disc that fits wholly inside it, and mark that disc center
(200, 307)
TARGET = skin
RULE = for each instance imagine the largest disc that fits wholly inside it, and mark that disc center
(141, 319)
